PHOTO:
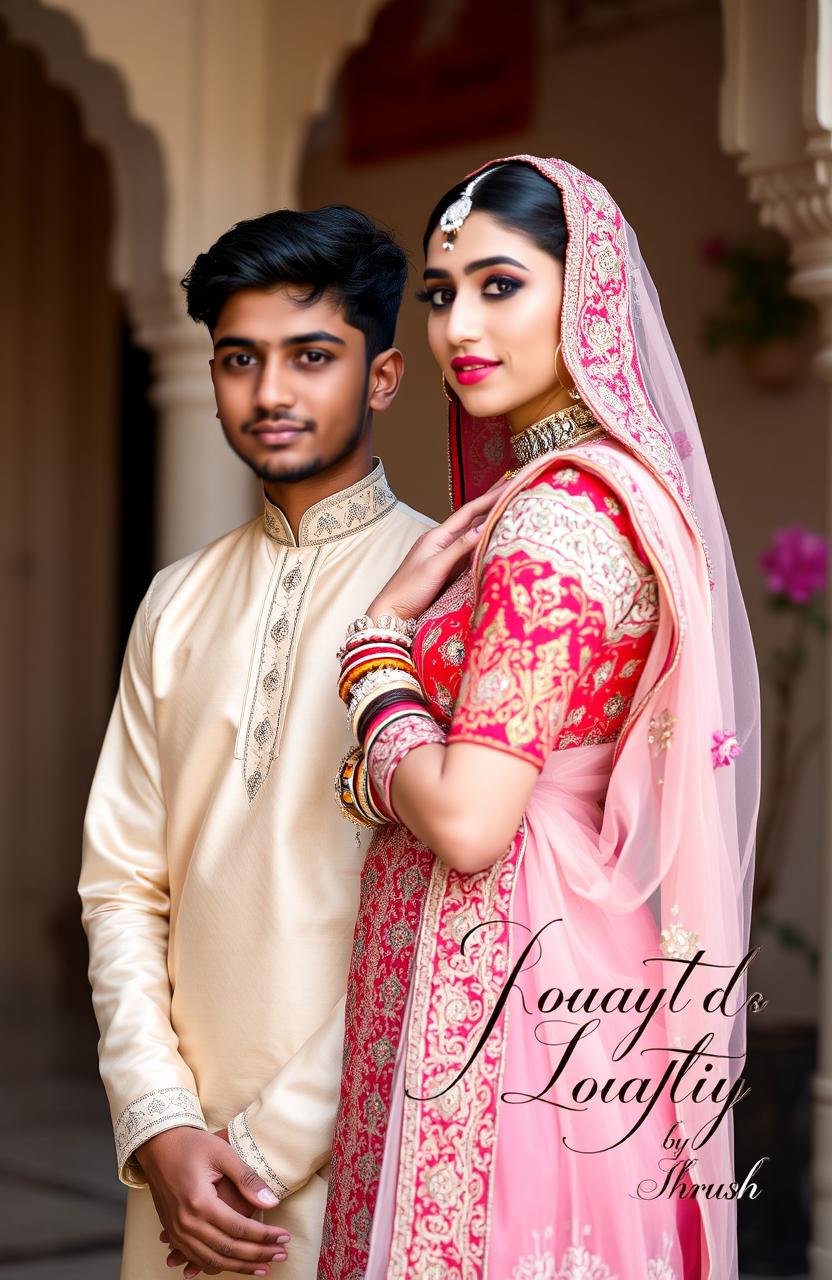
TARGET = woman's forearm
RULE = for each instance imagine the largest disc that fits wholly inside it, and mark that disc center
(463, 801)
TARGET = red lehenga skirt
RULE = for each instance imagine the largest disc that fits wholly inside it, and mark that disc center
(471, 1173)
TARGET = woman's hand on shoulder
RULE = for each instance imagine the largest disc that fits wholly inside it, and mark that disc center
(435, 558)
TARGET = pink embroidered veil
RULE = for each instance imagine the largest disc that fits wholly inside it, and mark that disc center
(679, 815)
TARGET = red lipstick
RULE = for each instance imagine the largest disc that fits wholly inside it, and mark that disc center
(470, 369)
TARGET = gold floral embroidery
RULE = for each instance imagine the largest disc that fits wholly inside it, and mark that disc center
(513, 681)
(459, 593)
(607, 264)
(596, 299)
(573, 600)
(660, 730)
(453, 597)
(453, 651)
(644, 612)
(615, 705)
(442, 1218)
(613, 470)
(583, 543)
(677, 942)
(600, 334)
(631, 667)
(602, 674)
(393, 884)
(442, 697)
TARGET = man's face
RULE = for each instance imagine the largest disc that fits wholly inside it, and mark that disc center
(291, 382)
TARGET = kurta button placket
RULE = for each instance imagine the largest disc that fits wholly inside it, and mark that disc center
(281, 623)
(267, 697)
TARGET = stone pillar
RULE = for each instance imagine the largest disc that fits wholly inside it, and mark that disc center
(203, 489)
(200, 133)
(777, 117)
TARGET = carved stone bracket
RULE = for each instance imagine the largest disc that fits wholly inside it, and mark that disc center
(797, 201)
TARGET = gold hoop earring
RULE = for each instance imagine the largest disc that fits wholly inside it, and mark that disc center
(445, 391)
(567, 384)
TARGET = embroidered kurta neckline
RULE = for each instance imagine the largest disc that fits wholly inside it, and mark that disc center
(337, 516)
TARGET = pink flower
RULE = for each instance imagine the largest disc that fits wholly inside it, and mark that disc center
(683, 445)
(795, 564)
(725, 747)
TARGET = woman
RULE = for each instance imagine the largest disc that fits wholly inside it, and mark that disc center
(561, 751)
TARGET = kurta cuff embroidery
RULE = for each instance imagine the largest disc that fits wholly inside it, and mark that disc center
(151, 1114)
(242, 1140)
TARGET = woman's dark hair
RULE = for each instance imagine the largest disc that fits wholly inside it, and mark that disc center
(521, 199)
(335, 250)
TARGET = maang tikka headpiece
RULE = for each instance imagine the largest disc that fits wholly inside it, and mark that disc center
(456, 213)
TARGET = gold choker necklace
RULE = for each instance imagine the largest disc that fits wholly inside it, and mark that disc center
(561, 430)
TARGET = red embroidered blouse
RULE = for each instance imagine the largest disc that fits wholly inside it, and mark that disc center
(566, 613)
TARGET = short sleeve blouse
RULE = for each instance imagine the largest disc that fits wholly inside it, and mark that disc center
(548, 652)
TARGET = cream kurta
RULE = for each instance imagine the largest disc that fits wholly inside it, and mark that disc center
(219, 880)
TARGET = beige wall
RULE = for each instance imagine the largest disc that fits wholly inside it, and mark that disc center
(640, 112)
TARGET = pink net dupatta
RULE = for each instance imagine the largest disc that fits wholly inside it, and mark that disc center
(681, 806)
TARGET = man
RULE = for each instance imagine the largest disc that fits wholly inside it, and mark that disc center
(219, 881)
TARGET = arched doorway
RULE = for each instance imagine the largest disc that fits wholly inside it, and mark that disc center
(82, 220)
(76, 494)
(77, 503)
(64, 330)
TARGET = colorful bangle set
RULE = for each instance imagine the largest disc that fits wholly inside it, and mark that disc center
(380, 687)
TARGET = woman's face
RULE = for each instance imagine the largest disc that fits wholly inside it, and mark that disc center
(494, 323)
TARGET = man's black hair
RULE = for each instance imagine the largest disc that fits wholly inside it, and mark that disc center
(335, 250)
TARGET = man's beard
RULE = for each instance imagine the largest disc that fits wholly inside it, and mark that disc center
(278, 473)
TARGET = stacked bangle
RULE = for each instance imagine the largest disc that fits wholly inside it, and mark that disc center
(369, 653)
(381, 689)
(375, 664)
(391, 742)
(385, 630)
(353, 792)
(405, 627)
(392, 706)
